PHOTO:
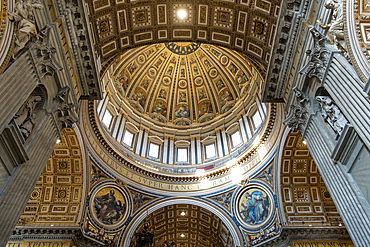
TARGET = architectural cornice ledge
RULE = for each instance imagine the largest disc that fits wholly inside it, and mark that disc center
(74, 234)
(303, 234)
(81, 48)
(286, 38)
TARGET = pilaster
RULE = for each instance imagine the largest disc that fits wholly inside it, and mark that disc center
(219, 144)
(139, 141)
(172, 151)
(145, 143)
(15, 194)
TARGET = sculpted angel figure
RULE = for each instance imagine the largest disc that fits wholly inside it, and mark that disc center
(24, 17)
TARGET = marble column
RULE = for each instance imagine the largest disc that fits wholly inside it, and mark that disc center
(355, 216)
(346, 89)
(349, 201)
(219, 144)
(247, 127)
(224, 142)
(121, 128)
(139, 141)
(117, 124)
(171, 151)
(193, 150)
(242, 129)
(199, 150)
(165, 150)
(104, 106)
(145, 143)
(17, 190)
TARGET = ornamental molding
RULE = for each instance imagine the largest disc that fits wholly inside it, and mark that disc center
(286, 37)
(299, 115)
(84, 57)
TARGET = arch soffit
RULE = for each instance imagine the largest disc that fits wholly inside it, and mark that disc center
(140, 217)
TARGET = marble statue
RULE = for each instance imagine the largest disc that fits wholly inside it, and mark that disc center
(24, 17)
(332, 114)
(25, 117)
(336, 26)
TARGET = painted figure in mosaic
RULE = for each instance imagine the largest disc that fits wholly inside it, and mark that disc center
(233, 69)
(158, 63)
(140, 98)
(202, 94)
(160, 108)
(139, 199)
(216, 53)
(162, 94)
(256, 210)
(242, 80)
(107, 208)
(182, 112)
(131, 68)
(207, 64)
(169, 71)
(196, 71)
(206, 107)
(182, 73)
(225, 98)
(220, 84)
(145, 84)
(182, 97)
(97, 175)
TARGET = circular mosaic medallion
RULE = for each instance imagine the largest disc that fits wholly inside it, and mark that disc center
(166, 81)
(152, 72)
(198, 81)
(141, 59)
(183, 84)
(109, 206)
(254, 206)
(213, 73)
(224, 60)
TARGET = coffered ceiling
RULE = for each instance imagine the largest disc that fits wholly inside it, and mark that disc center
(306, 200)
(57, 196)
(246, 26)
(188, 226)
